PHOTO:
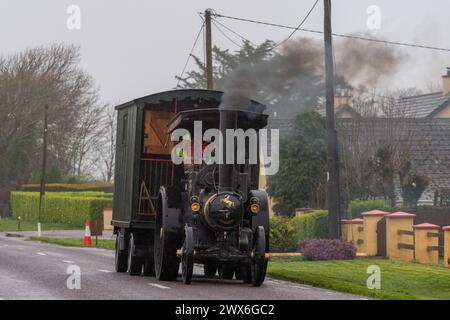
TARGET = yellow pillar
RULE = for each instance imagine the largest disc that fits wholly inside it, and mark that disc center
(345, 230)
(371, 219)
(426, 248)
(447, 246)
(398, 224)
(107, 217)
(357, 228)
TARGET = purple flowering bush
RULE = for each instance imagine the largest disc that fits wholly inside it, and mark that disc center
(327, 250)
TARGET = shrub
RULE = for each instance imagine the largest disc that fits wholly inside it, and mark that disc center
(357, 207)
(64, 187)
(312, 225)
(282, 234)
(327, 250)
(57, 208)
(285, 233)
(413, 186)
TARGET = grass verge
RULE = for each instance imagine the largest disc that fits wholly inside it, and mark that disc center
(12, 225)
(75, 242)
(399, 280)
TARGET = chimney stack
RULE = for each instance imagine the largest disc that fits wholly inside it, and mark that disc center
(343, 98)
(446, 82)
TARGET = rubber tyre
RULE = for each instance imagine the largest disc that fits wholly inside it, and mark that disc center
(165, 251)
(210, 269)
(135, 262)
(187, 261)
(121, 256)
(245, 274)
(149, 261)
(259, 263)
(226, 272)
(149, 267)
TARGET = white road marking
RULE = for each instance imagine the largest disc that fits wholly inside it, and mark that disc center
(104, 271)
(68, 261)
(41, 253)
(158, 286)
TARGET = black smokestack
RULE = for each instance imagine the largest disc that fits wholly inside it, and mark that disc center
(227, 121)
(235, 98)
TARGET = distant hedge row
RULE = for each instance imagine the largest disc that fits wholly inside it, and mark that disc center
(71, 208)
(286, 233)
(357, 207)
(63, 187)
(86, 194)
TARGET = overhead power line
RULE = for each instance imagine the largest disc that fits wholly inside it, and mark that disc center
(404, 44)
(190, 53)
(225, 35)
(234, 32)
(215, 21)
(298, 27)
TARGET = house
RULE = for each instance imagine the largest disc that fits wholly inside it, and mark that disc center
(427, 119)
(431, 106)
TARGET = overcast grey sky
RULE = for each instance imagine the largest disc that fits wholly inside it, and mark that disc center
(134, 48)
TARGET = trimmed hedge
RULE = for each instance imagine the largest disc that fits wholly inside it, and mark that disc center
(72, 210)
(286, 233)
(65, 187)
(357, 207)
(87, 194)
(311, 226)
(282, 234)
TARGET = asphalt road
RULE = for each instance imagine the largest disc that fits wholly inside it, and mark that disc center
(34, 270)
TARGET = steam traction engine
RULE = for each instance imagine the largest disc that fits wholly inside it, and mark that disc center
(166, 214)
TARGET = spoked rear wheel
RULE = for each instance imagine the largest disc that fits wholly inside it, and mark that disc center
(187, 260)
(165, 252)
(259, 263)
(135, 262)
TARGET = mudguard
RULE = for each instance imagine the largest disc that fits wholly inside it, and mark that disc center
(262, 218)
(172, 217)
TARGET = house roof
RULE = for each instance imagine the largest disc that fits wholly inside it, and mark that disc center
(339, 110)
(422, 106)
(430, 144)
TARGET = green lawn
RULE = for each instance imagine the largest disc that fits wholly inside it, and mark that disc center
(8, 225)
(399, 280)
(75, 242)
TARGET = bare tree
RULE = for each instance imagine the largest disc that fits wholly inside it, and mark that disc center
(30, 80)
(376, 147)
(104, 159)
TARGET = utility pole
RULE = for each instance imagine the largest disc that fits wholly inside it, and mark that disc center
(208, 44)
(333, 186)
(44, 167)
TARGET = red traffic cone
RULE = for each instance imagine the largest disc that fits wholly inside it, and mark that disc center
(87, 235)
